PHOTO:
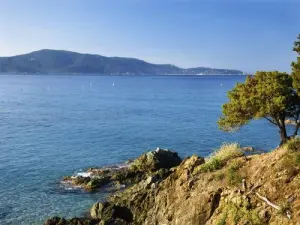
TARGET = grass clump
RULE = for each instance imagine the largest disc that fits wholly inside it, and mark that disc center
(290, 162)
(232, 175)
(293, 144)
(219, 157)
(240, 215)
(219, 175)
(211, 165)
(222, 220)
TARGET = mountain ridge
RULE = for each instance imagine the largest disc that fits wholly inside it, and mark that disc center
(63, 61)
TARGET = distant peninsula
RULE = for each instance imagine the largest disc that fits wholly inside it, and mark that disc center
(59, 61)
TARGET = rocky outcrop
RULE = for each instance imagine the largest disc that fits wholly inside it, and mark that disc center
(108, 212)
(137, 170)
(155, 160)
(249, 189)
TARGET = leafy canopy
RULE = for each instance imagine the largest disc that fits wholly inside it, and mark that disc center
(265, 95)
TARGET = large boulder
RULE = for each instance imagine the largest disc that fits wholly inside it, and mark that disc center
(107, 212)
(155, 160)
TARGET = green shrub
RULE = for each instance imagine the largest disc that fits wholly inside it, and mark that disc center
(241, 215)
(293, 145)
(232, 175)
(219, 157)
(290, 163)
(227, 151)
(211, 165)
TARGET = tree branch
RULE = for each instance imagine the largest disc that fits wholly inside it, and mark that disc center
(267, 201)
(271, 121)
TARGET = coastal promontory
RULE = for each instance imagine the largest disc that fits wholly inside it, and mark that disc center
(234, 185)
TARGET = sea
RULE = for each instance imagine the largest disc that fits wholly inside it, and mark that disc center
(52, 126)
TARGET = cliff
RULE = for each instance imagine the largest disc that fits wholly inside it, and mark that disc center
(229, 187)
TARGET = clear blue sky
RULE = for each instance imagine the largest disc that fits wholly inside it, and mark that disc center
(244, 34)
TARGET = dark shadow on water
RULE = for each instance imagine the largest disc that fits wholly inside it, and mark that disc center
(4, 211)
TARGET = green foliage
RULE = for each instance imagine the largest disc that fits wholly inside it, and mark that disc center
(211, 165)
(219, 157)
(293, 144)
(241, 215)
(227, 151)
(290, 163)
(266, 94)
(232, 175)
(222, 220)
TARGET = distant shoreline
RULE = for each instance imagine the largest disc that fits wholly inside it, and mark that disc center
(123, 75)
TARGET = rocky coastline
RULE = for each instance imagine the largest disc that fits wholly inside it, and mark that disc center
(229, 187)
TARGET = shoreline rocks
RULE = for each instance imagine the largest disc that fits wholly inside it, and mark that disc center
(183, 194)
(145, 172)
(147, 164)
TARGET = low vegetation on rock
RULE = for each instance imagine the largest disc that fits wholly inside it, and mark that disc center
(219, 157)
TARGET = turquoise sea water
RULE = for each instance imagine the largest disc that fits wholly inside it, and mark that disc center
(51, 126)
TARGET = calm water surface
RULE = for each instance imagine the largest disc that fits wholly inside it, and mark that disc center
(51, 126)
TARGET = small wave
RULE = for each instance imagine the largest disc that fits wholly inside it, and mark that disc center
(83, 174)
(94, 170)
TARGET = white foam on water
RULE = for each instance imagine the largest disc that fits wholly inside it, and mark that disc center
(83, 174)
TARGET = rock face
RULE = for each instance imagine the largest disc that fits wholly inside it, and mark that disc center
(108, 212)
(185, 195)
(147, 202)
(155, 160)
(136, 171)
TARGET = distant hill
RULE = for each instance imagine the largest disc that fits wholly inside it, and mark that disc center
(57, 61)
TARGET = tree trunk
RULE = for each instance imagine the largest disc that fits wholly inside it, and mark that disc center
(283, 135)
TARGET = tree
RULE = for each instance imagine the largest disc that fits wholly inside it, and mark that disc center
(267, 95)
(274, 96)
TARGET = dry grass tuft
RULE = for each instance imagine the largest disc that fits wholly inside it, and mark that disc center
(219, 157)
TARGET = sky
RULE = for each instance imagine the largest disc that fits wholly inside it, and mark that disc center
(249, 35)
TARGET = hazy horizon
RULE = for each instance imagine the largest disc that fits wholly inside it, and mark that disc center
(248, 36)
